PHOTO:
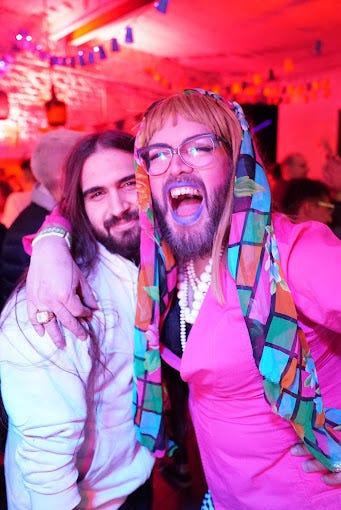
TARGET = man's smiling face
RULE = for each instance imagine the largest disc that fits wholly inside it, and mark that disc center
(110, 200)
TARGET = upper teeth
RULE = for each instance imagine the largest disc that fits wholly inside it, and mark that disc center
(185, 190)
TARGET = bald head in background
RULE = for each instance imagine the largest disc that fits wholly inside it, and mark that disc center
(49, 156)
(294, 166)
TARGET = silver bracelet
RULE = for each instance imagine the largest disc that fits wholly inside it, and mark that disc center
(53, 231)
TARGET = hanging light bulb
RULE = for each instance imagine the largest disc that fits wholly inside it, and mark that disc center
(161, 6)
(318, 47)
(81, 58)
(101, 52)
(4, 105)
(3, 65)
(55, 110)
(272, 76)
(114, 45)
(129, 35)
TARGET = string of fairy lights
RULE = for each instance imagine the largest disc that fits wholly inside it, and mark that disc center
(24, 42)
(259, 88)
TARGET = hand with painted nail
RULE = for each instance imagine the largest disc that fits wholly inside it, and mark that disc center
(311, 465)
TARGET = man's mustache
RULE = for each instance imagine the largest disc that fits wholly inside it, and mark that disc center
(114, 220)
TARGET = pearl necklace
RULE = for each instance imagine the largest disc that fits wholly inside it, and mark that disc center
(191, 289)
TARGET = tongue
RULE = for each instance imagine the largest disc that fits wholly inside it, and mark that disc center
(187, 207)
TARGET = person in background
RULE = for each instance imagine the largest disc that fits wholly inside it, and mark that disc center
(71, 439)
(251, 296)
(18, 200)
(332, 176)
(293, 166)
(48, 158)
(307, 199)
(5, 191)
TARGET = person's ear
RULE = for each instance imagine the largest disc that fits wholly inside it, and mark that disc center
(305, 211)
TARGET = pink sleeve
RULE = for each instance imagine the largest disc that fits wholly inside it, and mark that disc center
(54, 218)
(312, 265)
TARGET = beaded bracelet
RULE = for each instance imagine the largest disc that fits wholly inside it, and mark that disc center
(54, 231)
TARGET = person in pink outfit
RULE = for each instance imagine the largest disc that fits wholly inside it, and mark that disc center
(251, 299)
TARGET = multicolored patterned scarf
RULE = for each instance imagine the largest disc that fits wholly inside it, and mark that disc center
(279, 346)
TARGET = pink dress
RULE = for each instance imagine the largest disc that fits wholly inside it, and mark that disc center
(244, 446)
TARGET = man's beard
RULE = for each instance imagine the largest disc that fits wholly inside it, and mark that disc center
(128, 245)
(187, 243)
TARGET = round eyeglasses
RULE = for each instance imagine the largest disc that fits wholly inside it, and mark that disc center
(328, 205)
(196, 152)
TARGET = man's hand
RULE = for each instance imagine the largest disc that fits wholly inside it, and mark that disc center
(312, 465)
(55, 284)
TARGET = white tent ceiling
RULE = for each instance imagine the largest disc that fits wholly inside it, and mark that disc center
(233, 38)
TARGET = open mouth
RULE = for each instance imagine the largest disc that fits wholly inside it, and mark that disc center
(186, 202)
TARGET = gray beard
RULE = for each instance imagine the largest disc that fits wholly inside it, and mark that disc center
(185, 244)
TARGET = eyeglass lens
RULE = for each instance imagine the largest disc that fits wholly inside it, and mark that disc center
(195, 152)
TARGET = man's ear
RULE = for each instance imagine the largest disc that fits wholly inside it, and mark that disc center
(309, 210)
(306, 210)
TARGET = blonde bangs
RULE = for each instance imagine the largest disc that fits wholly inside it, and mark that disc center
(207, 110)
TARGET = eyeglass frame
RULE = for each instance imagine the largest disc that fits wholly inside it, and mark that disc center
(176, 150)
(328, 205)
